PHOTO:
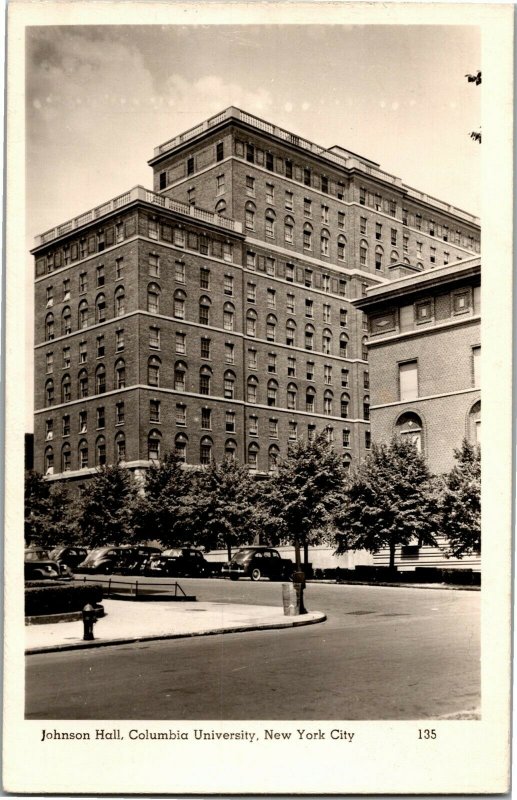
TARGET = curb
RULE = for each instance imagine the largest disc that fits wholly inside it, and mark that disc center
(318, 617)
(453, 586)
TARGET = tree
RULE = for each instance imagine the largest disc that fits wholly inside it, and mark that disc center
(106, 507)
(219, 510)
(460, 506)
(391, 499)
(159, 510)
(49, 512)
(304, 495)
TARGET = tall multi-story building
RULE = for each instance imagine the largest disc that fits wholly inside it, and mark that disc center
(213, 315)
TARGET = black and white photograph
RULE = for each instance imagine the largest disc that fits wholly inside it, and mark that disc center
(243, 398)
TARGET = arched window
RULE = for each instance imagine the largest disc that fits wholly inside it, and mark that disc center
(153, 371)
(347, 462)
(249, 215)
(474, 424)
(228, 316)
(204, 310)
(82, 383)
(345, 405)
(100, 308)
(270, 223)
(343, 345)
(251, 322)
(83, 314)
(229, 384)
(120, 373)
(341, 248)
(292, 394)
(230, 449)
(252, 389)
(379, 255)
(309, 337)
(271, 328)
(394, 257)
(120, 301)
(49, 327)
(272, 393)
(363, 253)
(420, 265)
(100, 452)
(325, 242)
(66, 321)
(409, 427)
(327, 402)
(253, 450)
(205, 450)
(364, 348)
(290, 332)
(153, 445)
(273, 455)
(329, 433)
(120, 447)
(310, 399)
(153, 298)
(179, 304)
(180, 445)
(66, 458)
(220, 207)
(205, 379)
(66, 389)
(83, 454)
(366, 407)
(289, 230)
(49, 392)
(49, 461)
(180, 374)
(406, 260)
(307, 236)
(100, 379)
(326, 341)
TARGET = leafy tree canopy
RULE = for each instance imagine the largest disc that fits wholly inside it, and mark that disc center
(159, 509)
(460, 506)
(50, 517)
(106, 507)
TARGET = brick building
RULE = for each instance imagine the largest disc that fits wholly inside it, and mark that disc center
(213, 315)
(425, 361)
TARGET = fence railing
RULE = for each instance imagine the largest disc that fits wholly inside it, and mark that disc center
(135, 588)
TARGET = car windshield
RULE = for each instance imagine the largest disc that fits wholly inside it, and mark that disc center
(243, 555)
(97, 553)
(35, 555)
(174, 553)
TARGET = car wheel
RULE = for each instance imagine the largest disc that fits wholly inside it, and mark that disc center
(255, 574)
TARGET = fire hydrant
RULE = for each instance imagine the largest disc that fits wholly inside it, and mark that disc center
(89, 620)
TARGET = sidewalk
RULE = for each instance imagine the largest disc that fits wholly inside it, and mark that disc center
(130, 621)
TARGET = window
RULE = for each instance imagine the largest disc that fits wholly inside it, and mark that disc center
(341, 249)
(66, 426)
(273, 428)
(101, 417)
(101, 278)
(291, 366)
(153, 298)
(293, 430)
(83, 383)
(153, 371)
(343, 345)
(363, 253)
(424, 311)
(120, 302)
(289, 272)
(308, 277)
(230, 422)
(251, 322)
(119, 413)
(363, 225)
(181, 414)
(460, 302)
(49, 429)
(288, 168)
(206, 419)
(290, 333)
(190, 165)
(271, 298)
(408, 380)
(163, 180)
(378, 257)
(271, 328)
(66, 322)
(289, 230)
(271, 362)
(250, 186)
(153, 446)
(66, 254)
(324, 243)
(83, 353)
(180, 446)
(292, 394)
(326, 341)
(362, 196)
(154, 338)
(270, 223)
(367, 439)
(220, 184)
(405, 244)
(49, 461)
(327, 403)
(272, 393)
(100, 379)
(179, 271)
(120, 374)
(205, 451)
(344, 378)
(82, 248)
(178, 236)
(393, 238)
(311, 432)
(270, 266)
(49, 327)
(326, 312)
(476, 366)
(49, 362)
(249, 216)
(290, 303)
(310, 370)
(100, 452)
(120, 447)
(366, 380)
(446, 256)
(345, 405)
(219, 151)
(404, 216)
(309, 337)
(252, 359)
(251, 294)
(229, 385)
(66, 289)
(310, 399)
(346, 437)
(83, 421)
(205, 347)
(366, 408)
(327, 374)
(154, 410)
(203, 244)
(66, 357)
(83, 282)
(205, 377)
(329, 433)
(154, 265)
(251, 389)
(228, 316)
(250, 153)
(307, 176)
(270, 193)
(204, 310)
(253, 426)
(431, 227)
(364, 349)
(228, 285)
(229, 353)
(289, 200)
(307, 237)
(392, 208)
(432, 257)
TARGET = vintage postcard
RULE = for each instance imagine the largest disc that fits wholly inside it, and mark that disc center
(257, 259)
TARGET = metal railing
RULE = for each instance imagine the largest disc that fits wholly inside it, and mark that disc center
(135, 588)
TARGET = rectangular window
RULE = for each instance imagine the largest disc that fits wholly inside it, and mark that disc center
(311, 432)
(325, 214)
(270, 227)
(392, 208)
(120, 413)
(83, 422)
(252, 359)
(307, 207)
(101, 420)
(250, 153)
(153, 229)
(270, 193)
(460, 302)
(251, 293)
(362, 256)
(179, 271)
(271, 298)
(308, 277)
(307, 176)
(291, 366)
(363, 225)
(270, 266)
(100, 275)
(220, 184)
(445, 257)
(404, 216)
(154, 410)
(325, 283)
(432, 257)
(230, 422)
(309, 307)
(346, 438)
(289, 272)
(291, 303)
(83, 353)
(205, 347)
(269, 162)
(66, 289)
(324, 184)
(204, 278)
(293, 430)
(273, 429)
(219, 151)
(310, 370)
(326, 312)
(83, 282)
(271, 362)
(288, 168)
(229, 353)
(227, 252)
(367, 439)
(476, 366)
(250, 186)
(181, 342)
(100, 347)
(362, 196)
(378, 230)
(344, 378)
(49, 429)
(66, 425)
(204, 384)
(289, 201)
(394, 237)
(327, 374)
(181, 414)
(251, 259)
(408, 380)
(405, 244)
(49, 361)
(154, 338)
(154, 265)
(253, 427)
(418, 222)
(342, 287)
(119, 340)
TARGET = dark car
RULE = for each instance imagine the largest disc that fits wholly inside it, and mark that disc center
(133, 560)
(71, 556)
(179, 562)
(258, 562)
(38, 566)
(102, 559)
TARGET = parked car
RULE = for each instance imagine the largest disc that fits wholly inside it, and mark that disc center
(258, 562)
(102, 559)
(179, 562)
(133, 560)
(71, 556)
(38, 566)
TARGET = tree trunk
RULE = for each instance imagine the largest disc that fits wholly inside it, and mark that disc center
(305, 556)
(392, 555)
(229, 550)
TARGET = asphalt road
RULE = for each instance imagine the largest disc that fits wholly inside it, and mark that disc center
(384, 653)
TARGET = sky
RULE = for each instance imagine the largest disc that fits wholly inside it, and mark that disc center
(99, 99)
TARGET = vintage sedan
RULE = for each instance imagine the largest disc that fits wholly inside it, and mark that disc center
(39, 566)
(258, 562)
(71, 556)
(179, 562)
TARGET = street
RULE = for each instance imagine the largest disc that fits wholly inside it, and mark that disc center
(384, 653)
